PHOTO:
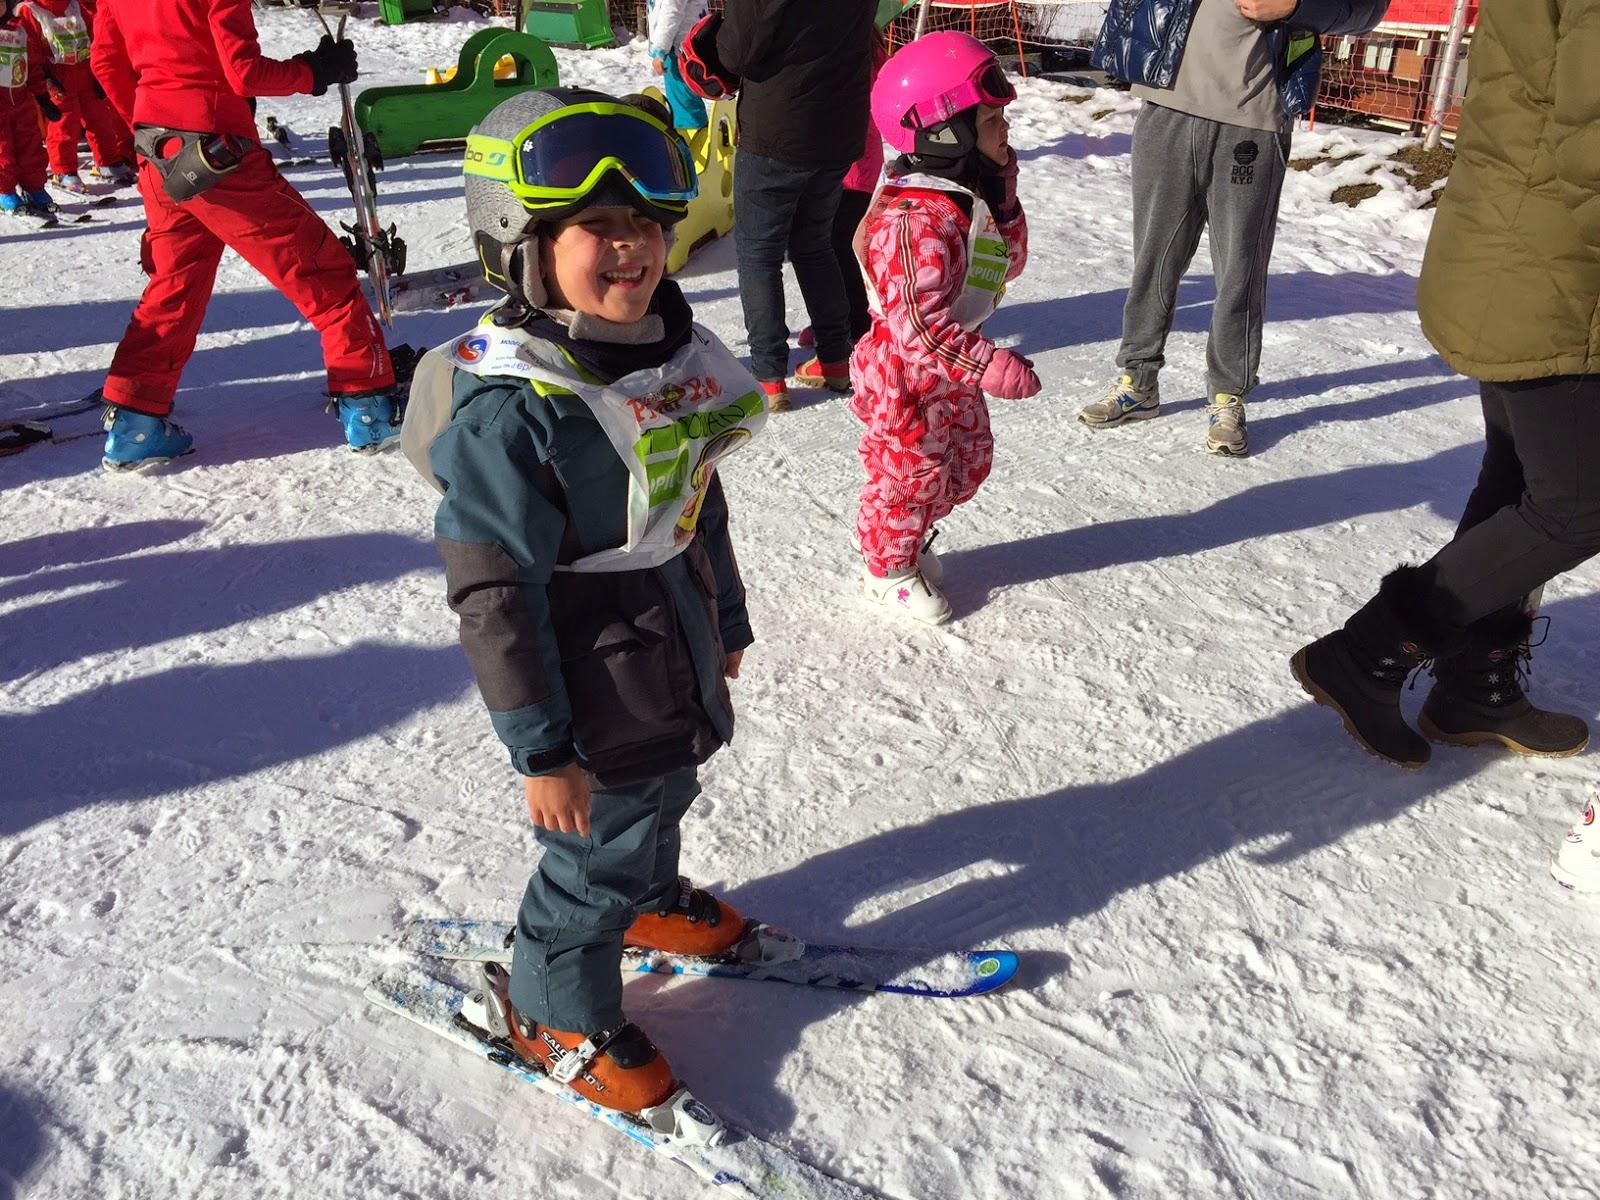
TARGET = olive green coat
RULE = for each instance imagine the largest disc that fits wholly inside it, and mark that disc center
(1511, 281)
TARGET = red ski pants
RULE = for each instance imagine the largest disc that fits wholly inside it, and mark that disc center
(83, 109)
(927, 449)
(22, 160)
(254, 211)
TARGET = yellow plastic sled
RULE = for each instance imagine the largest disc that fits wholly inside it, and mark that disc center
(711, 212)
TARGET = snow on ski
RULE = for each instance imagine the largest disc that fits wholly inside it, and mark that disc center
(745, 1165)
(945, 975)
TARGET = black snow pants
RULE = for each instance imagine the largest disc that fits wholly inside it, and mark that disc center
(1535, 512)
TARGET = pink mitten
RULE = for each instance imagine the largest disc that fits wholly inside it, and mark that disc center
(1009, 376)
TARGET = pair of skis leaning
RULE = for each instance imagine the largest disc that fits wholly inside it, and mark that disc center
(376, 250)
(683, 1130)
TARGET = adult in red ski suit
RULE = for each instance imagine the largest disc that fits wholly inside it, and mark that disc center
(60, 32)
(22, 157)
(189, 65)
(927, 446)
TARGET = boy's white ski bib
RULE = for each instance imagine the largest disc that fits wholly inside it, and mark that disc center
(13, 58)
(670, 425)
(988, 258)
(68, 34)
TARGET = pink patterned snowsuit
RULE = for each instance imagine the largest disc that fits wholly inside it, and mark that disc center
(927, 447)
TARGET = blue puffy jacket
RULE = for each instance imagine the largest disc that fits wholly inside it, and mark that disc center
(1142, 41)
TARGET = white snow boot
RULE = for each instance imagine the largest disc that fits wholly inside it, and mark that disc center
(1576, 864)
(908, 593)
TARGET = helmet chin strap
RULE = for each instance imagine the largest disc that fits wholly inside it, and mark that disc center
(521, 268)
(523, 258)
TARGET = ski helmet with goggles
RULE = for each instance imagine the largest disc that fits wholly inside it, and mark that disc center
(542, 155)
(929, 83)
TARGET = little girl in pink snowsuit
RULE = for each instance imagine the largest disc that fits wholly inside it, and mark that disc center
(943, 237)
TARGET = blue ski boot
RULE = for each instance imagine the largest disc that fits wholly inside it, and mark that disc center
(10, 203)
(369, 420)
(137, 442)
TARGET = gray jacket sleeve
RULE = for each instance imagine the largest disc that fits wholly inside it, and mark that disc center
(499, 537)
(1337, 16)
(733, 618)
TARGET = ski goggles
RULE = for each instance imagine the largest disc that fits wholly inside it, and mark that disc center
(561, 158)
(988, 85)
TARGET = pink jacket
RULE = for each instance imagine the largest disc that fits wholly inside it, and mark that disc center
(863, 176)
(915, 256)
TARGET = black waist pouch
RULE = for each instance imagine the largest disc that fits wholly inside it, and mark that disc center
(189, 162)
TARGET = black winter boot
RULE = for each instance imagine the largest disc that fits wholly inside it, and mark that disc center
(1359, 671)
(1477, 697)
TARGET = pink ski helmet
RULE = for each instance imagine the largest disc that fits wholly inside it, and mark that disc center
(927, 82)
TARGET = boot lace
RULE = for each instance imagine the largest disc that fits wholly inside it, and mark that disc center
(1226, 415)
(1396, 671)
(1501, 676)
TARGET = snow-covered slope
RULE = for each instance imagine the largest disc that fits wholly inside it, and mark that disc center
(242, 748)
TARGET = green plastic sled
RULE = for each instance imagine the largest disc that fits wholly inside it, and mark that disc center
(888, 10)
(406, 118)
(572, 24)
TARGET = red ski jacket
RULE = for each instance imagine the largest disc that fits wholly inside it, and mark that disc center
(187, 64)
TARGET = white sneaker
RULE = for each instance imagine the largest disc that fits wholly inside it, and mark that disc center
(1122, 402)
(1576, 864)
(1227, 433)
(909, 593)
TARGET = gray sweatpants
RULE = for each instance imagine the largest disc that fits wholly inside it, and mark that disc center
(1190, 173)
(566, 965)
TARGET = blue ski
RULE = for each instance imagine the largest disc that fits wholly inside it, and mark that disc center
(743, 1165)
(943, 974)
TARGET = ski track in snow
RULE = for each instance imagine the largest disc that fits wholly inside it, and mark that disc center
(244, 749)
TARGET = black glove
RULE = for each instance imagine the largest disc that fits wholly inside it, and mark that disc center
(48, 107)
(331, 63)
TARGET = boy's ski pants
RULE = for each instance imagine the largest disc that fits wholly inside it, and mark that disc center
(84, 110)
(566, 968)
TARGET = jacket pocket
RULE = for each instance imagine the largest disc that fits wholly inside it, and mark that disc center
(627, 672)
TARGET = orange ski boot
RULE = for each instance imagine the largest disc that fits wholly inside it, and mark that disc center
(694, 923)
(616, 1068)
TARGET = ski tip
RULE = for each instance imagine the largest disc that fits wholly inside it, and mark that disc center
(973, 973)
(992, 969)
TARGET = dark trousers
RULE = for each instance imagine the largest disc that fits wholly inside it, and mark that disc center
(1535, 512)
(778, 210)
(853, 206)
(566, 965)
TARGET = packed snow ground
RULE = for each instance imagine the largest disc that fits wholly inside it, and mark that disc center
(242, 748)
